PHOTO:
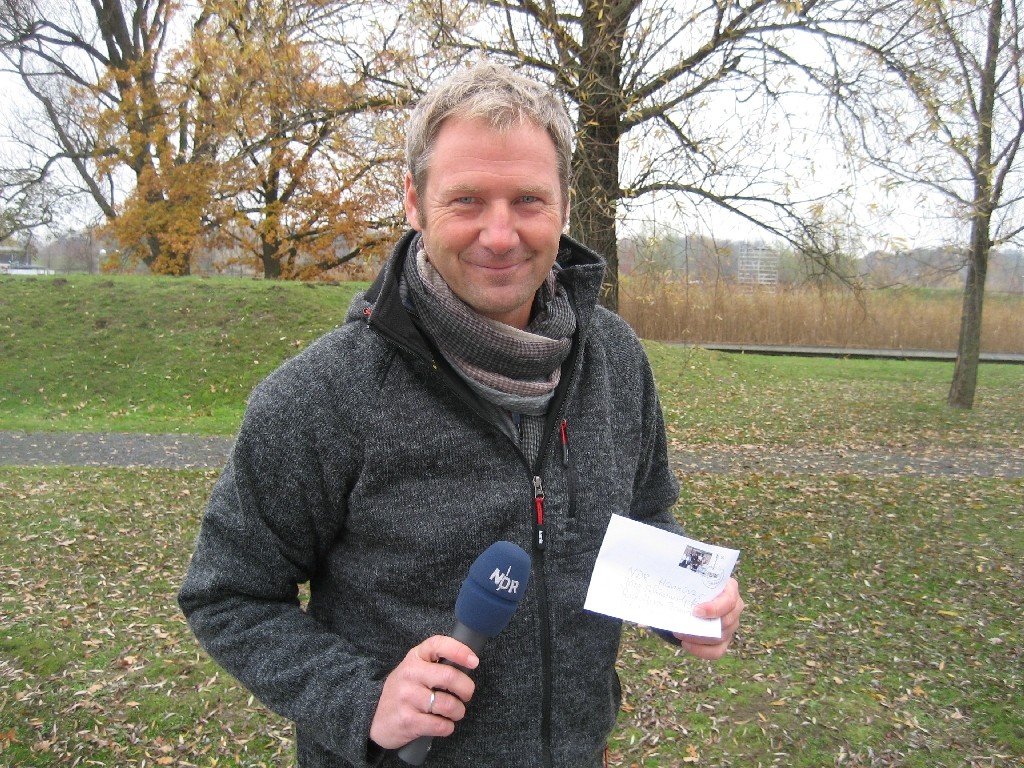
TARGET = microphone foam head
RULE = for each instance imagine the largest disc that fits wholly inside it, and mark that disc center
(491, 592)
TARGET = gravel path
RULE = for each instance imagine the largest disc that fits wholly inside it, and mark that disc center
(868, 462)
(122, 449)
(113, 449)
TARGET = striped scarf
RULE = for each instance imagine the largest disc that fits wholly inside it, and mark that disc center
(516, 370)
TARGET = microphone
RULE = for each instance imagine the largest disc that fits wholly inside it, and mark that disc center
(489, 596)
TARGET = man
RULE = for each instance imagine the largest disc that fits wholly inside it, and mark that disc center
(475, 394)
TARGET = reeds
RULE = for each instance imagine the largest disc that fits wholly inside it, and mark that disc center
(831, 317)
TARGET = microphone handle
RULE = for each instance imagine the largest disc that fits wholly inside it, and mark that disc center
(415, 752)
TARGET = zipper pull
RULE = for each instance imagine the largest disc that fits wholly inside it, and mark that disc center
(564, 432)
(538, 505)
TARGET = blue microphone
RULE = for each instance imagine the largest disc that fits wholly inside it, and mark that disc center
(487, 600)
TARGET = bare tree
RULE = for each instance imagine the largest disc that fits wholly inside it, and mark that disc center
(27, 201)
(654, 87)
(934, 98)
(93, 70)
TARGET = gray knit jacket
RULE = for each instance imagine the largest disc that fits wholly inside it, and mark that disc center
(365, 467)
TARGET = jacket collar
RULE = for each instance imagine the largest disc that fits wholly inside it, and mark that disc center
(581, 272)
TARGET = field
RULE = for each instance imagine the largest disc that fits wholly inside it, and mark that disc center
(885, 610)
(137, 354)
(879, 319)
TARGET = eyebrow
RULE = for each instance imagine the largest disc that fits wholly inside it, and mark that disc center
(459, 190)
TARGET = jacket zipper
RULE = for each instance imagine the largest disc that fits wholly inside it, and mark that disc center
(563, 434)
(539, 542)
(570, 474)
(539, 545)
(538, 489)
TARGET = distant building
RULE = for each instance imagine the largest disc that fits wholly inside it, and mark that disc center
(12, 256)
(757, 265)
(16, 259)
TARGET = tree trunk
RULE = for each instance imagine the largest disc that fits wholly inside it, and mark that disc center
(269, 229)
(965, 373)
(968, 353)
(270, 257)
(596, 159)
(162, 261)
(592, 217)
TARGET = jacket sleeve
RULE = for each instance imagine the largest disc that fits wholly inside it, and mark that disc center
(655, 487)
(272, 512)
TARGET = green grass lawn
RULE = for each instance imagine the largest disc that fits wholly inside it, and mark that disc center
(94, 353)
(87, 352)
(883, 628)
(727, 399)
(885, 613)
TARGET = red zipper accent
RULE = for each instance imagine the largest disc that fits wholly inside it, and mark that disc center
(538, 505)
(564, 432)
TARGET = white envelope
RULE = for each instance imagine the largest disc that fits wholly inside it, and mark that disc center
(655, 578)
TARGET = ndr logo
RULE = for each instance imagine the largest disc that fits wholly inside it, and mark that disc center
(503, 582)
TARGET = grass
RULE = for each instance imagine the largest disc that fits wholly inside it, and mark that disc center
(883, 629)
(96, 664)
(138, 354)
(885, 613)
(729, 399)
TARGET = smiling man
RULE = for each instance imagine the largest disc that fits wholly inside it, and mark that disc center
(491, 215)
(476, 394)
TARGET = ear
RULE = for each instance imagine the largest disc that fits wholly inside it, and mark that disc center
(412, 204)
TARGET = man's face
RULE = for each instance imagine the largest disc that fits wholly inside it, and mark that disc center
(491, 215)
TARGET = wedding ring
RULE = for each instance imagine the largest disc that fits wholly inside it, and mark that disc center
(430, 706)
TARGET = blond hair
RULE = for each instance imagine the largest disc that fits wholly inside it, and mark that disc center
(500, 97)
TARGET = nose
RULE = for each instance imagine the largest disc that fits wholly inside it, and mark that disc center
(498, 231)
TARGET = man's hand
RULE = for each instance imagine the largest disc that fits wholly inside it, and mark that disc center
(727, 606)
(422, 697)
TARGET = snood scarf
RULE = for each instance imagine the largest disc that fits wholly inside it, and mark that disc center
(516, 370)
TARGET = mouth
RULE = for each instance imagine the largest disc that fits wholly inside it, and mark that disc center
(501, 275)
(499, 269)
(497, 264)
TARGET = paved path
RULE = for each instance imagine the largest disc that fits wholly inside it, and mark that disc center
(122, 449)
(853, 352)
(869, 462)
(113, 449)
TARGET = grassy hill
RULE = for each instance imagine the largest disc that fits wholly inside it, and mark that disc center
(94, 353)
(135, 353)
